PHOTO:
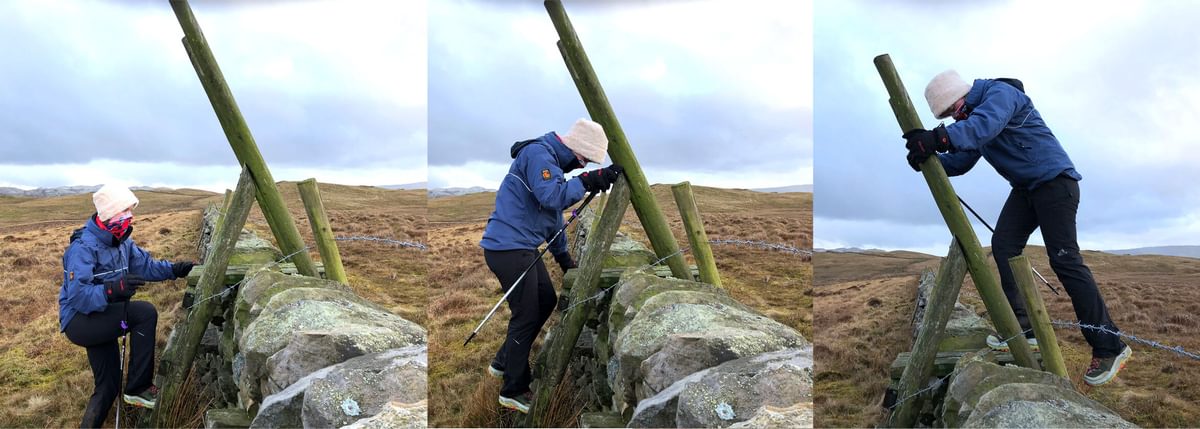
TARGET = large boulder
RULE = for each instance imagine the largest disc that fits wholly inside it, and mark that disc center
(687, 353)
(299, 312)
(965, 330)
(261, 285)
(291, 407)
(396, 415)
(731, 392)
(1044, 397)
(311, 350)
(1036, 405)
(363, 386)
(673, 313)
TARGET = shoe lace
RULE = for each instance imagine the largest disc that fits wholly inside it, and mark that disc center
(153, 390)
(1095, 364)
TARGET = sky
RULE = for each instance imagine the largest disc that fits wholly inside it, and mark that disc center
(1114, 82)
(713, 92)
(102, 91)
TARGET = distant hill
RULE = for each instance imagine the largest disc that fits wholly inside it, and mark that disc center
(453, 192)
(792, 188)
(62, 191)
(406, 186)
(1184, 251)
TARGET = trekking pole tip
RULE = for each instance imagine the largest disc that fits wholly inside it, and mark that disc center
(469, 339)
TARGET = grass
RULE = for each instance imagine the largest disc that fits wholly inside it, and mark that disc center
(45, 380)
(864, 304)
(463, 289)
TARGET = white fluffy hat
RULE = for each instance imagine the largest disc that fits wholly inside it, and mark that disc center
(587, 139)
(944, 90)
(111, 200)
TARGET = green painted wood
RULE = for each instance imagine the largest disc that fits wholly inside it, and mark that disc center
(177, 358)
(1038, 317)
(693, 225)
(651, 216)
(322, 233)
(238, 133)
(559, 346)
(938, 308)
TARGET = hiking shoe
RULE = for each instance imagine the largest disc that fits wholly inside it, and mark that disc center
(495, 372)
(994, 343)
(1104, 370)
(520, 403)
(146, 399)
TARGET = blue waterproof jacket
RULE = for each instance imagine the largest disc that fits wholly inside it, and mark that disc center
(532, 197)
(1006, 130)
(90, 260)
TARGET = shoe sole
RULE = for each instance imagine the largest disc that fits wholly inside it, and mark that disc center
(1112, 377)
(138, 402)
(495, 372)
(513, 405)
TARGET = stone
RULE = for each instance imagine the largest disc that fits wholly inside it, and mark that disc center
(261, 285)
(311, 350)
(965, 330)
(273, 330)
(796, 416)
(660, 318)
(1035, 405)
(731, 392)
(363, 386)
(683, 354)
(975, 376)
(601, 420)
(637, 287)
(396, 415)
(226, 418)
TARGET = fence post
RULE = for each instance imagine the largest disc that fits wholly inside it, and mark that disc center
(558, 348)
(651, 216)
(177, 359)
(937, 313)
(322, 233)
(1047, 341)
(943, 194)
(694, 227)
(238, 132)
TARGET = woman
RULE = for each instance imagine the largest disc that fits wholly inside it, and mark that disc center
(529, 206)
(102, 269)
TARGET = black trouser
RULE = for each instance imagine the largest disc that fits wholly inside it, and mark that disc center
(531, 304)
(99, 332)
(1052, 206)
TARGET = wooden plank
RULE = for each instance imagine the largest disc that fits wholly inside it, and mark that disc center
(235, 273)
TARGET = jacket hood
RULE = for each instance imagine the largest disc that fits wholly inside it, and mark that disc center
(562, 154)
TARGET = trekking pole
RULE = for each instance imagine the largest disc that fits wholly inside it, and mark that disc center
(574, 214)
(121, 372)
(989, 227)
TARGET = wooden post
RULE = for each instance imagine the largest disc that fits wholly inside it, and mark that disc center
(651, 216)
(947, 201)
(177, 358)
(1047, 342)
(937, 313)
(557, 351)
(269, 199)
(694, 227)
(322, 233)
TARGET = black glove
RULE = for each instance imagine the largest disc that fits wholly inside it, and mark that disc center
(122, 289)
(599, 180)
(181, 268)
(564, 261)
(922, 144)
